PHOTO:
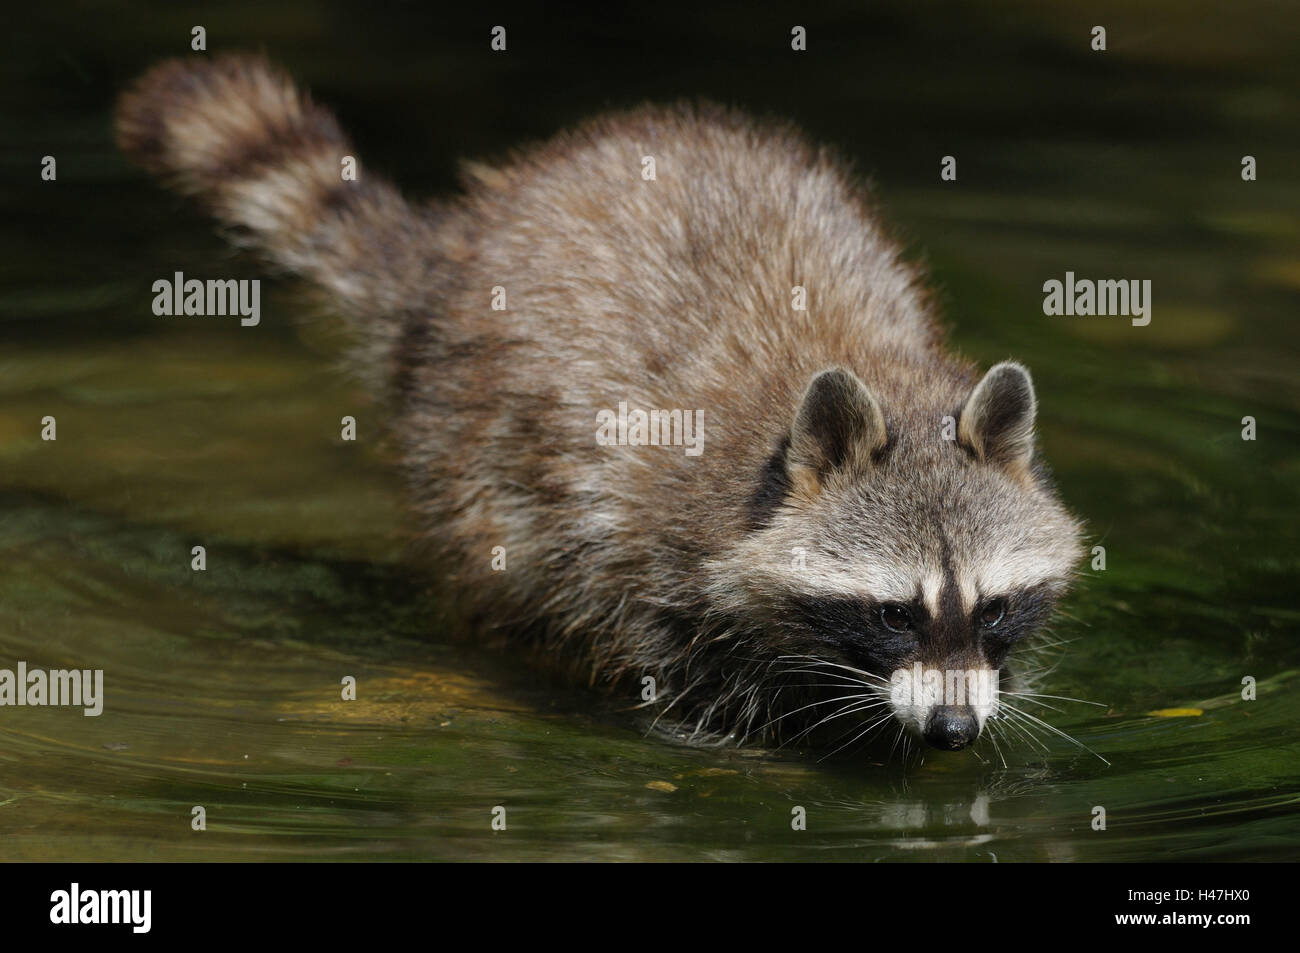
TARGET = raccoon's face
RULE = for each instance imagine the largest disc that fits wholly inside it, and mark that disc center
(897, 565)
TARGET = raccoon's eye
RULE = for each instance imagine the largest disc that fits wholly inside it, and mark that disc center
(993, 612)
(896, 618)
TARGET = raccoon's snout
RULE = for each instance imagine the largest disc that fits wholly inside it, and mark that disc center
(951, 727)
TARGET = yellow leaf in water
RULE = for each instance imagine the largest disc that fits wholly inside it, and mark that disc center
(1176, 712)
(667, 786)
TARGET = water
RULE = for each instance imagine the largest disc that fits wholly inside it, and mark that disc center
(222, 686)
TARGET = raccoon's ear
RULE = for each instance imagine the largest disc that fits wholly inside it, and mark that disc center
(997, 422)
(838, 425)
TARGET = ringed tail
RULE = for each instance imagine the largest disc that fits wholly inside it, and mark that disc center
(238, 136)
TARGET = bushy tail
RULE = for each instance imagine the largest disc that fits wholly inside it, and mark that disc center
(237, 135)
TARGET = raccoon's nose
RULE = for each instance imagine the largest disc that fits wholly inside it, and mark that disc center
(951, 727)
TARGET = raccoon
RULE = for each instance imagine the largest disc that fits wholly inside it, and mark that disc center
(863, 513)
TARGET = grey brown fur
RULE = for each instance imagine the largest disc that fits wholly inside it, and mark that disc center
(628, 561)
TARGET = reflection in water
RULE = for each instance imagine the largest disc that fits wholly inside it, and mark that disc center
(963, 823)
